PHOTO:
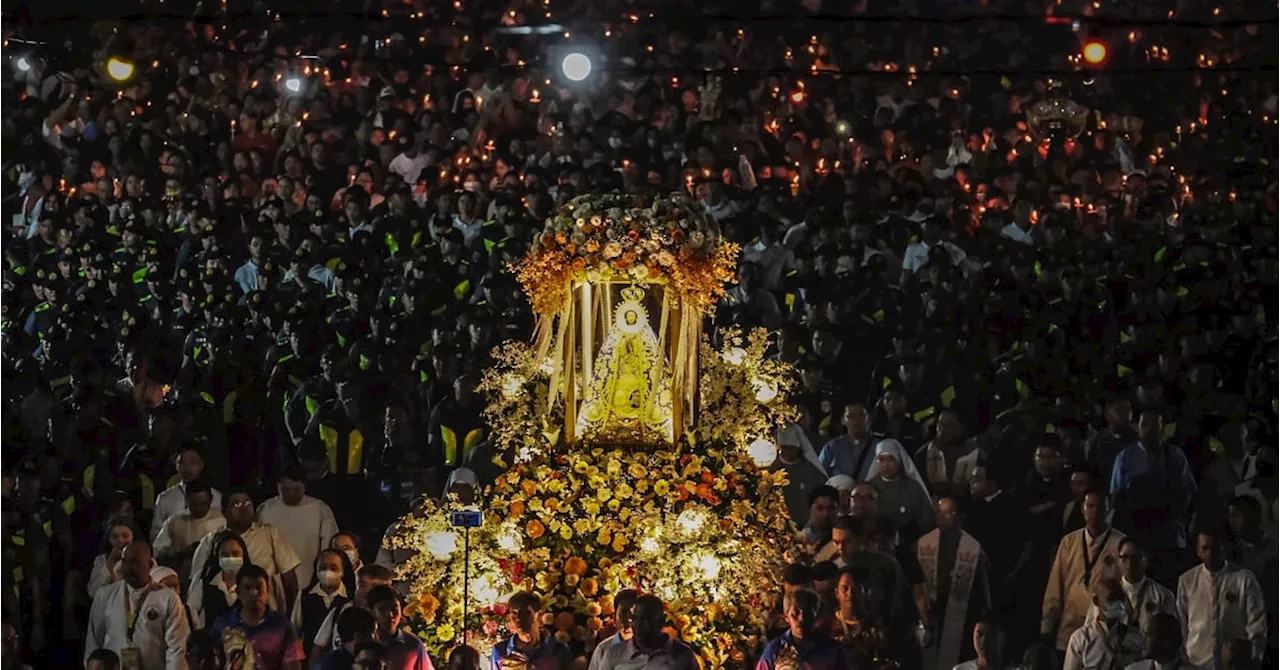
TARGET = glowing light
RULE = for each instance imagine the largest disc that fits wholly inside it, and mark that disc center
(484, 590)
(766, 390)
(734, 355)
(709, 566)
(293, 84)
(762, 452)
(510, 540)
(797, 97)
(24, 65)
(119, 69)
(512, 386)
(441, 545)
(1094, 52)
(690, 521)
(649, 545)
(576, 67)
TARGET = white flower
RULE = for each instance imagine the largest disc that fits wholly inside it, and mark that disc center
(640, 271)
(596, 220)
(580, 223)
(612, 249)
(696, 238)
(665, 259)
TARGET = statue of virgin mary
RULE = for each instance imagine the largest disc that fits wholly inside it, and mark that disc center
(628, 398)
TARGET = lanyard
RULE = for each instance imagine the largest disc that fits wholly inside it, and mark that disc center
(131, 615)
(1099, 544)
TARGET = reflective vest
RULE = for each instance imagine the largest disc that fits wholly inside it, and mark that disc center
(146, 488)
(452, 457)
(333, 440)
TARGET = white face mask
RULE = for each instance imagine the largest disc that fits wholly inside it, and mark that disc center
(231, 563)
(329, 578)
(352, 555)
(1114, 611)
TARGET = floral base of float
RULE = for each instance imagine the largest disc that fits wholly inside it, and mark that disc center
(697, 521)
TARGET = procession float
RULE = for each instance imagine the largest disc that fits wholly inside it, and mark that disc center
(634, 449)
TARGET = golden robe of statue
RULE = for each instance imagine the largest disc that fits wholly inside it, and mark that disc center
(628, 398)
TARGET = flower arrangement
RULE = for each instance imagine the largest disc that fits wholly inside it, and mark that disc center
(599, 237)
(521, 418)
(743, 393)
(702, 531)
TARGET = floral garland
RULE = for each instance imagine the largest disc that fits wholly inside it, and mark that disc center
(599, 237)
(701, 531)
(521, 419)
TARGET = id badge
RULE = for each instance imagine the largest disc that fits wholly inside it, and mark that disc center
(130, 659)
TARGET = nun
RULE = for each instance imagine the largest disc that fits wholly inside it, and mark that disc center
(804, 471)
(903, 496)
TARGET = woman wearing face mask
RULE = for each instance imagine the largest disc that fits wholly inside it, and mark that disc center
(1108, 641)
(213, 589)
(349, 544)
(106, 566)
(330, 589)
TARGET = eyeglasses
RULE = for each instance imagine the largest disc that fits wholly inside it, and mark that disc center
(242, 504)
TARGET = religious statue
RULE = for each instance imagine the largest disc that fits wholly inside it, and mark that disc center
(628, 398)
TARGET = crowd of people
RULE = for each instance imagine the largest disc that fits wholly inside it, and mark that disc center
(248, 292)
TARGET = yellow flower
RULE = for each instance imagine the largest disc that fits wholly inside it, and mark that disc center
(591, 507)
(603, 537)
(535, 504)
(642, 485)
(624, 514)
(662, 487)
(593, 609)
(566, 533)
(543, 581)
(555, 485)
(579, 466)
(581, 526)
(636, 471)
(623, 491)
(589, 587)
(604, 494)
(551, 505)
(445, 632)
(529, 488)
(613, 467)
(614, 505)
(619, 542)
(606, 563)
(571, 580)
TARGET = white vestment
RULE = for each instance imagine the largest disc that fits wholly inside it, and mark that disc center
(160, 628)
(1216, 607)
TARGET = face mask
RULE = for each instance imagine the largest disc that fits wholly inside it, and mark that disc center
(330, 578)
(471, 186)
(1114, 611)
(231, 563)
(352, 555)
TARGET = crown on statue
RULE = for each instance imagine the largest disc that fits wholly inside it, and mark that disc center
(632, 294)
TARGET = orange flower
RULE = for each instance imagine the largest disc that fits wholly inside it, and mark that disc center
(655, 271)
(622, 263)
(571, 249)
(579, 263)
(703, 491)
(592, 246)
(517, 508)
(575, 566)
(707, 477)
(534, 529)
(589, 586)
(565, 621)
(547, 239)
(529, 487)
(561, 238)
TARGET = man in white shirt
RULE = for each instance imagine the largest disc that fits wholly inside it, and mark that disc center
(917, 255)
(173, 500)
(624, 603)
(143, 622)
(410, 163)
(267, 547)
(1219, 602)
(307, 523)
(1108, 641)
(182, 532)
(1147, 597)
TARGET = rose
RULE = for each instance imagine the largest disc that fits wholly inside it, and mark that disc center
(677, 234)
(633, 234)
(612, 250)
(579, 263)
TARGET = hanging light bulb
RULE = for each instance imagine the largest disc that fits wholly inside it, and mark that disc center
(763, 452)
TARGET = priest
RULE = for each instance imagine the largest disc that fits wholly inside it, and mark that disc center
(956, 583)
